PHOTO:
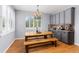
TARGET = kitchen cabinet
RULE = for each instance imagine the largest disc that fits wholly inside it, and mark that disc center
(61, 18)
(51, 19)
(57, 19)
(64, 36)
(54, 19)
(64, 18)
(57, 34)
(68, 37)
(68, 16)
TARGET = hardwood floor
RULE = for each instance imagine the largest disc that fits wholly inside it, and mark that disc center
(18, 47)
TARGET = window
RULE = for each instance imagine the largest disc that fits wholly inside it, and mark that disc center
(33, 22)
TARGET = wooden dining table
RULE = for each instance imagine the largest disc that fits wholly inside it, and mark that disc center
(34, 34)
(40, 40)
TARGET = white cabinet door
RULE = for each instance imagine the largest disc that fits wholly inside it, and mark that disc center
(62, 18)
(68, 16)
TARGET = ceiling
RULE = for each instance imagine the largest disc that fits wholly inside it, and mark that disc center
(50, 9)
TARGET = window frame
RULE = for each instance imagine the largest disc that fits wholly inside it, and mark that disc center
(32, 18)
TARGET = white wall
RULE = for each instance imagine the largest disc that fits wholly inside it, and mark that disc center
(20, 23)
(77, 25)
(6, 41)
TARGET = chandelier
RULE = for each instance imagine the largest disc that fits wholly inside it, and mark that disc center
(37, 13)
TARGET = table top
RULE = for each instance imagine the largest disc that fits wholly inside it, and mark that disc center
(37, 34)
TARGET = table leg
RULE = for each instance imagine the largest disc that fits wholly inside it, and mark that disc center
(51, 36)
(55, 43)
(26, 49)
(52, 43)
(45, 36)
(26, 38)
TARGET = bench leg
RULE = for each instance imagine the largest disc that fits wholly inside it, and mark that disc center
(26, 49)
(52, 43)
(55, 43)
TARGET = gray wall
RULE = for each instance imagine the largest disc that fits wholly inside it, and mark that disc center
(6, 41)
(20, 23)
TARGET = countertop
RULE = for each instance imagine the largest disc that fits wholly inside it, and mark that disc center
(60, 30)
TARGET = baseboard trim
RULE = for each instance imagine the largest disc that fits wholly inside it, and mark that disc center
(8, 47)
(20, 38)
(77, 44)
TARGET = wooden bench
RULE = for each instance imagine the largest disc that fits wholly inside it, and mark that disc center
(38, 41)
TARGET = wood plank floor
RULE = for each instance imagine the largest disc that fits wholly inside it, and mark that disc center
(18, 47)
